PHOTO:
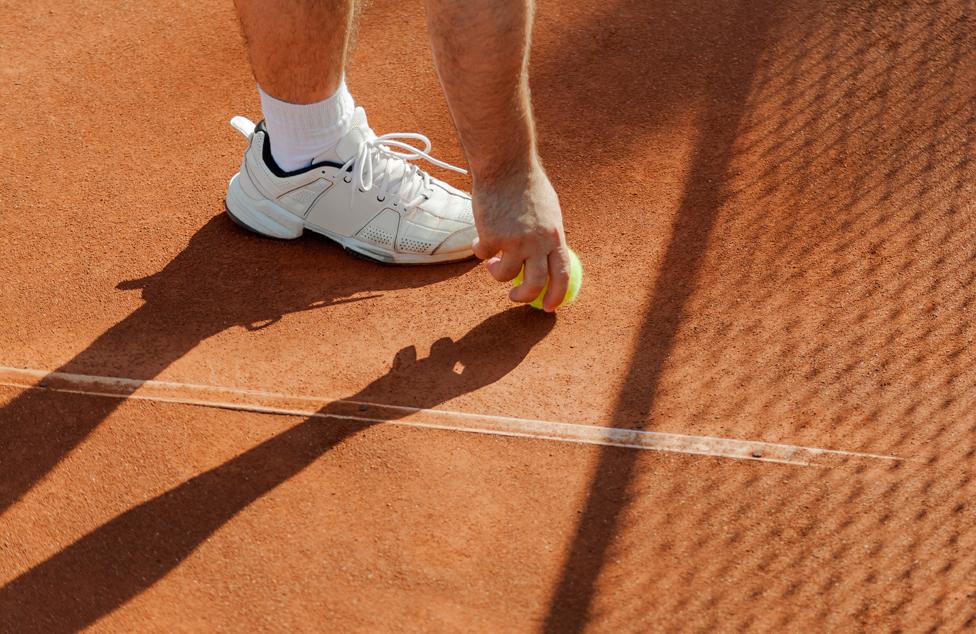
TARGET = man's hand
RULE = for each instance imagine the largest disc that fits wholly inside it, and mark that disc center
(520, 224)
(481, 49)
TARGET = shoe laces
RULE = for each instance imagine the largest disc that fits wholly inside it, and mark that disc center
(378, 164)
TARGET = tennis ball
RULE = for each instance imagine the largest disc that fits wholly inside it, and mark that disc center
(575, 282)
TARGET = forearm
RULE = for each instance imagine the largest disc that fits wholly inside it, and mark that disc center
(481, 49)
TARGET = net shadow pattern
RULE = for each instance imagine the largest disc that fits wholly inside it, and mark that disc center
(830, 305)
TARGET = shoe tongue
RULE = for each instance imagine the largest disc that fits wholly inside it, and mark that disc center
(359, 132)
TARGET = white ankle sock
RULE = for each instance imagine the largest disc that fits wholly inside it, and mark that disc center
(300, 132)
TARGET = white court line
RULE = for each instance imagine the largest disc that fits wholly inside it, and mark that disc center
(295, 405)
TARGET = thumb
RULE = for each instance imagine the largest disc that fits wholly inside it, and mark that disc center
(483, 249)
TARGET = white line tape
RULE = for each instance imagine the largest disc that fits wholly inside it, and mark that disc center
(379, 413)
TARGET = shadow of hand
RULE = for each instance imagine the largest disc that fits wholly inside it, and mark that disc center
(123, 557)
(482, 356)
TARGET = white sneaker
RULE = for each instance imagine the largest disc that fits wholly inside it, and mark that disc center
(372, 200)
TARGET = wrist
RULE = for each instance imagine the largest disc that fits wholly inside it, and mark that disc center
(498, 160)
(516, 171)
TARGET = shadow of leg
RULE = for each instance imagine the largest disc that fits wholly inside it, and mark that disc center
(39, 428)
(120, 559)
(223, 278)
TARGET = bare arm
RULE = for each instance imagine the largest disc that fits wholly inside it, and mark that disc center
(481, 48)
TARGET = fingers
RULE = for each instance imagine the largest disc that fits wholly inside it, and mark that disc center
(483, 249)
(506, 267)
(405, 357)
(558, 279)
(539, 270)
(536, 273)
(443, 348)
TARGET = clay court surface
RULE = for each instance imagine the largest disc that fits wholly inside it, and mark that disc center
(776, 209)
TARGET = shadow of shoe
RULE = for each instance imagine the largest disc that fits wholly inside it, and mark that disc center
(224, 277)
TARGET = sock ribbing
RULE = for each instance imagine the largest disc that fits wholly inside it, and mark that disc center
(300, 132)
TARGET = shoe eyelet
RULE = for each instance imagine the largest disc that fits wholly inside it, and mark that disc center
(380, 198)
(346, 179)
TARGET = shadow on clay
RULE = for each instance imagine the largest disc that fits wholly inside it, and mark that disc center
(724, 82)
(118, 560)
(224, 278)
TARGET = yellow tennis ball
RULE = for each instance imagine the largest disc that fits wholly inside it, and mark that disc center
(575, 282)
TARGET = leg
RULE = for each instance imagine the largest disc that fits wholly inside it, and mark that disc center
(297, 48)
(481, 48)
(298, 54)
(315, 163)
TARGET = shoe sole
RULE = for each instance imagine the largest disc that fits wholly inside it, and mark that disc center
(266, 219)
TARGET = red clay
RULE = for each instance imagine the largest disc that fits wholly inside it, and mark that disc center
(775, 207)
